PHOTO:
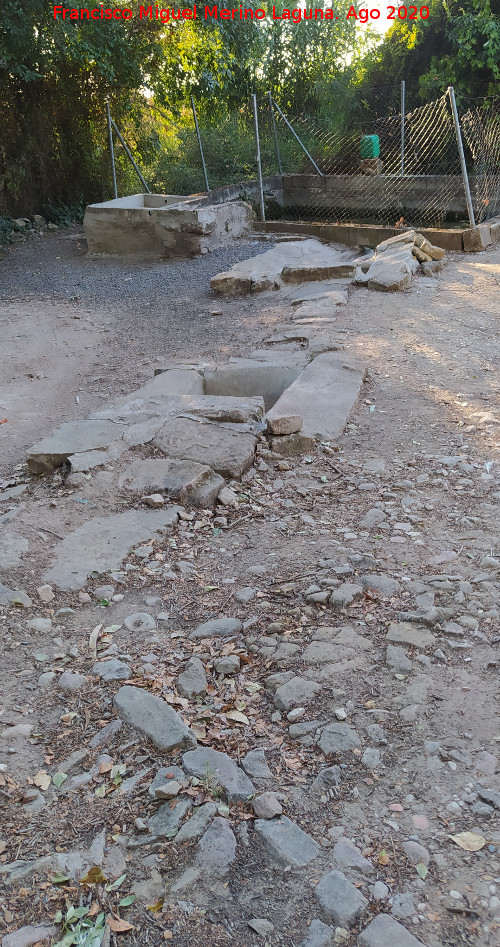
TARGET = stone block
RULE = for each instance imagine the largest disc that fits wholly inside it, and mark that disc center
(184, 480)
(71, 438)
(153, 717)
(221, 770)
(477, 238)
(286, 843)
(340, 899)
(384, 931)
(228, 452)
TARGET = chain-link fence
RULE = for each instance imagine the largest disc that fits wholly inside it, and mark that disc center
(394, 169)
(481, 130)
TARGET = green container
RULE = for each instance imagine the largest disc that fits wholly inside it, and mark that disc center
(370, 146)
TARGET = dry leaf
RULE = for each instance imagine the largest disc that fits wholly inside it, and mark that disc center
(118, 926)
(469, 841)
(42, 779)
(93, 640)
(237, 716)
(383, 858)
(94, 876)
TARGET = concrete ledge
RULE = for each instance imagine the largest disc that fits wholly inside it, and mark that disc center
(482, 236)
(360, 235)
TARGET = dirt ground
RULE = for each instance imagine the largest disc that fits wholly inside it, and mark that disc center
(411, 494)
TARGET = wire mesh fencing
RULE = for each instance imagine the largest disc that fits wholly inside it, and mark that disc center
(481, 130)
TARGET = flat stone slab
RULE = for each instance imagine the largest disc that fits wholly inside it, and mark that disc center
(217, 627)
(221, 770)
(167, 820)
(217, 849)
(346, 855)
(340, 899)
(286, 843)
(70, 438)
(228, 452)
(9, 596)
(319, 935)
(101, 544)
(295, 693)
(410, 634)
(198, 823)
(300, 260)
(338, 738)
(27, 936)
(384, 930)
(184, 480)
(153, 717)
(322, 652)
(12, 548)
(323, 395)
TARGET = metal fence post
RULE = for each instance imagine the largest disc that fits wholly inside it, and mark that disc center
(112, 150)
(463, 165)
(199, 143)
(298, 139)
(129, 155)
(276, 145)
(259, 166)
(403, 90)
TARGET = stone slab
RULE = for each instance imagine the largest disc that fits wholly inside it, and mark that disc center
(153, 717)
(228, 452)
(323, 395)
(101, 544)
(408, 633)
(217, 849)
(184, 480)
(319, 935)
(383, 931)
(340, 899)
(167, 820)
(69, 438)
(221, 769)
(12, 548)
(286, 843)
(9, 596)
(27, 936)
(305, 258)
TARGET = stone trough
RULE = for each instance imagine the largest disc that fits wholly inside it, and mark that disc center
(203, 422)
(163, 226)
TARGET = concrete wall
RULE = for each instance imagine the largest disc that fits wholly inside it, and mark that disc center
(381, 192)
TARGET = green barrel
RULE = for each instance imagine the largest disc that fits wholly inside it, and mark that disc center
(370, 146)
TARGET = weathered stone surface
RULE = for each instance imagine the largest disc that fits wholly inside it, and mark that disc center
(193, 680)
(73, 437)
(323, 395)
(322, 652)
(217, 849)
(384, 931)
(435, 253)
(26, 936)
(346, 594)
(340, 899)
(226, 451)
(225, 408)
(8, 596)
(197, 824)
(267, 806)
(295, 693)
(279, 424)
(397, 660)
(153, 717)
(261, 926)
(184, 480)
(294, 261)
(102, 543)
(319, 935)
(167, 820)
(328, 777)
(416, 853)
(286, 843)
(389, 277)
(112, 670)
(71, 681)
(383, 584)
(221, 769)
(165, 775)
(290, 445)
(410, 634)
(223, 627)
(106, 734)
(346, 855)
(255, 765)
(12, 548)
(338, 738)
(227, 665)
(140, 622)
